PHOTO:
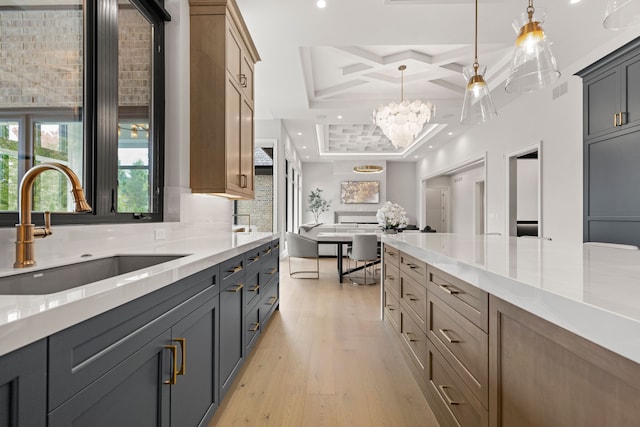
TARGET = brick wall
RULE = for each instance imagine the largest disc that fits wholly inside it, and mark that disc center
(261, 208)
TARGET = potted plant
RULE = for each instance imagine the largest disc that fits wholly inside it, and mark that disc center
(391, 216)
(316, 204)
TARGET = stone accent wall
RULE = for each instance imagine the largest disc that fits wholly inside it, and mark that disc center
(261, 208)
(41, 58)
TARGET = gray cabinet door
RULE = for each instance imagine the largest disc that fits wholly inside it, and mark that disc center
(603, 100)
(194, 397)
(231, 332)
(631, 103)
(133, 394)
(23, 387)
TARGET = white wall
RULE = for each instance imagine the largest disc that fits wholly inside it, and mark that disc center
(527, 189)
(462, 199)
(401, 187)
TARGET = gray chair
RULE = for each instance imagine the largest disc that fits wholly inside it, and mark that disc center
(302, 247)
(364, 248)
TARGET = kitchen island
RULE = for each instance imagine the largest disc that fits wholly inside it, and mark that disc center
(517, 331)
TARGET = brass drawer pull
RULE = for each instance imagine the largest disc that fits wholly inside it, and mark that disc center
(615, 119)
(272, 300)
(254, 289)
(446, 336)
(273, 270)
(267, 251)
(254, 327)
(449, 291)
(412, 297)
(254, 258)
(443, 390)
(243, 80)
(237, 288)
(183, 347)
(408, 334)
(174, 366)
(235, 269)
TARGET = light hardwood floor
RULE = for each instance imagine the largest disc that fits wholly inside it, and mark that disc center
(325, 359)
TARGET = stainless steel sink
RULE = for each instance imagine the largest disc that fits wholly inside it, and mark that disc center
(56, 279)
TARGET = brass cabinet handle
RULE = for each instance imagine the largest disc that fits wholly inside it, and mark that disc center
(615, 119)
(447, 290)
(254, 258)
(272, 300)
(237, 288)
(446, 336)
(411, 297)
(183, 347)
(443, 390)
(622, 118)
(174, 367)
(254, 289)
(273, 270)
(408, 334)
(255, 327)
(267, 251)
(243, 80)
(235, 269)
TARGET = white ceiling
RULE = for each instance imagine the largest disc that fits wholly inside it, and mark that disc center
(324, 71)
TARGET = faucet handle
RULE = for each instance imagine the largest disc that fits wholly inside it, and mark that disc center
(46, 230)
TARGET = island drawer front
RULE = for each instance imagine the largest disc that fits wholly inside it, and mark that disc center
(252, 289)
(452, 402)
(414, 296)
(414, 267)
(392, 279)
(269, 301)
(82, 353)
(267, 252)
(392, 310)
(269, 270)
(466, 299)
(275, 249)
(414, 340)
(464, 345)
(252, 327)
(232, 269)
(392, 255)
(253, 259)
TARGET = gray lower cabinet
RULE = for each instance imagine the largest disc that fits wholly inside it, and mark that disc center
(23, 391)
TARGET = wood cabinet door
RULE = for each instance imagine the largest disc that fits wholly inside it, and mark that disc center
(543, 375)
(194, 397)
(23, 386)
(233, 52)
(233, 147)
(246, 149)
(134, 393)
(246, 77)
(603, 100)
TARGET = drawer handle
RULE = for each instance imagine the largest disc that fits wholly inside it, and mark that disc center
(272, 300)
(254, 289)
(174, 366)
(243, 80)
(235, 269)
(446, 336)
(183, 347)
(391, 253)
(267, 251)
(273, 270)
(408, 334)
(390, 307)
(443, 390)
(254, 327)
(412, 297)
(390, 278)
(254, 258)
(449, 291)
(237, 288)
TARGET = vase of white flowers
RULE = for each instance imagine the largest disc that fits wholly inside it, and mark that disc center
(391, 216)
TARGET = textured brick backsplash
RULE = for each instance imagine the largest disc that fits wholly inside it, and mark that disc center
(41, 58)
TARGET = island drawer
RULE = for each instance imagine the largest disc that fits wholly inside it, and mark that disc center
(252, 259)
(392, 310)
(232, 269)
(414, 340)
(392, 255)
(450, 398)
(392, 279)
(414, 296)
(414, 267)
(468, 300)
(463, 344)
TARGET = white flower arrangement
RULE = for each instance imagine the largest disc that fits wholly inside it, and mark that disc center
(392, 216)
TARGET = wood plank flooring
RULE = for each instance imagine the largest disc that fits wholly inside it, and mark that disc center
(325, 359)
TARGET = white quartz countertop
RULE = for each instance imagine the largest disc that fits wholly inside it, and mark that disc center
(593, 292)
(27, 318)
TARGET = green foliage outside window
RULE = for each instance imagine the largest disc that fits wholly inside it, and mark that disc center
(133, 188)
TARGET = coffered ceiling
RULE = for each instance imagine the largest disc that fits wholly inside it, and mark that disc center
(324, 71)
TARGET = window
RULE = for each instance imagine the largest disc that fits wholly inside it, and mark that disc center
(79, 90)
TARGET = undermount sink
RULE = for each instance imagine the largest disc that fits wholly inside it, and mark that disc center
(56, 279)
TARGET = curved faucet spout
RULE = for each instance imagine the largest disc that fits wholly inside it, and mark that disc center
(26, 231)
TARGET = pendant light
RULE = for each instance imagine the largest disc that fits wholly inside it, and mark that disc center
(533, 66)
(621, 14)
(477, 106)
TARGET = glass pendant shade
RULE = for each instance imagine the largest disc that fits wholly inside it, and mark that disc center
(477, 106)
(533, 66)
(621, 14)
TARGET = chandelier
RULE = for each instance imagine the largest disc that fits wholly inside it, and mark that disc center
(402, 122)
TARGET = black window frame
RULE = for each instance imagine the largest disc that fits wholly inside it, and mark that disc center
(100, 115)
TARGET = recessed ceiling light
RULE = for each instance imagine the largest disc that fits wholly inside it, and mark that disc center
(321, 4)
(574, 1)
(415, 157)
(339, 116)
(431, 146)
(450, 133)
(299, 133)
(307, 157)
(304, 147)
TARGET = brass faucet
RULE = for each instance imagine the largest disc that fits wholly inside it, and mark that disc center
(26, 231)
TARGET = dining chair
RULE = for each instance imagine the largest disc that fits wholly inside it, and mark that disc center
(363, 249)
(302, 247)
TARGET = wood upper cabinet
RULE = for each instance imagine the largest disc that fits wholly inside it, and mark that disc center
(612, 93)
(221, 99)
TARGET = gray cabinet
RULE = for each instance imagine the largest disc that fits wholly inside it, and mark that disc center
(612, 147)
(23, 392)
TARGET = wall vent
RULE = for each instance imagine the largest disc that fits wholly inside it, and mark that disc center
(560, 90)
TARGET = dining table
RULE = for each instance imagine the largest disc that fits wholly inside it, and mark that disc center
(341, 238)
